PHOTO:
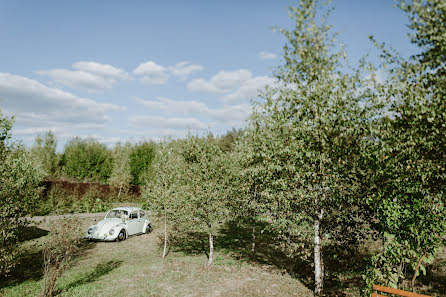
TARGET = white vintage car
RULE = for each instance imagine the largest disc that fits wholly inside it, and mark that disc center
(120, 223)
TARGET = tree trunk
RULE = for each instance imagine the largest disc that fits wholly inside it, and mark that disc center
(253, 239)
(416, 270)
(318, 261)
(165, 237)
(211, 248)
(119, 193)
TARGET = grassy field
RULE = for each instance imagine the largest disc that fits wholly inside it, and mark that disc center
(135, 268)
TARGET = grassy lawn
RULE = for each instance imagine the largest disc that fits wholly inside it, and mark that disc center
(135, 268)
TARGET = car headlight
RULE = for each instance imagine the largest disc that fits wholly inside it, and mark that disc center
(90, 230)
(111, 232)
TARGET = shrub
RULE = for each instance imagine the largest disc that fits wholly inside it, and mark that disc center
(87, 159)
(19, 193)
(63, 244)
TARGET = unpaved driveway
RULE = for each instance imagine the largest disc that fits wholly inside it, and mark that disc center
(57, 217)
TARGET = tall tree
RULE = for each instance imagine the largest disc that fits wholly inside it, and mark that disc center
(410, 200)
(204, 194)
(44, 149)
(121, 175)
(307, 135)
(163, 192)
(19, 193)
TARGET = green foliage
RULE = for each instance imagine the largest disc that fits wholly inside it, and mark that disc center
(19, 193)
(121, 175)
(163, 193)
(63, 244)
(307, 136)
(141, 158)
(410, 160)
(60, 201)
(44, 150)
(87, 159)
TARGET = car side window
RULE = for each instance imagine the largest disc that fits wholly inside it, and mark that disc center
(133, 215)
(142, 214)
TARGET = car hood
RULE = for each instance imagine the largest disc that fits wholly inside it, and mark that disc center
(105, 225)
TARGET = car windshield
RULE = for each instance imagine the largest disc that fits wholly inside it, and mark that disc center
(116, 213)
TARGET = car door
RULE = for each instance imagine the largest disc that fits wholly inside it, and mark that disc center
(142, 219)
(133, 223)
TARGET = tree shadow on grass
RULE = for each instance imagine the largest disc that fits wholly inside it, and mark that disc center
(344, 265)
(100, 270)
(30, 266)
(31, 233)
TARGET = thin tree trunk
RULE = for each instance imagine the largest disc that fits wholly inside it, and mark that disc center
(253, 239)
(165, 237)
(211, 248)
(416, 270)
(318, 261)
(120, 188)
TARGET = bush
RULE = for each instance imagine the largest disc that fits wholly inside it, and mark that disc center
(63, 244)
(19, 193)
(141, 159)
(87, 159)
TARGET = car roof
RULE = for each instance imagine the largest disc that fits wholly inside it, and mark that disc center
(127, 208)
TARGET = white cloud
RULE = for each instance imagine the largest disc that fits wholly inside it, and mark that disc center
(89, 75)
(152, 73)
(222, 82)
(37, 105)
(183, 69)
(148, 121)
(102, 70)
(249, 89)
(266, 56)
(233, 115)
(155, 74)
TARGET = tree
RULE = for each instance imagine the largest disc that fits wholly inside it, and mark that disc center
(307, 136)
(410, 199)
(140, 160)
(87, 159)
(120, 175)
(163, 192)
(19, 193)
(44, 150)
(204, 195)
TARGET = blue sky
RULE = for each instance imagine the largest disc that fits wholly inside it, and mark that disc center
(135, 70)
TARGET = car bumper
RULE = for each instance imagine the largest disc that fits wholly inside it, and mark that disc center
(104, 237)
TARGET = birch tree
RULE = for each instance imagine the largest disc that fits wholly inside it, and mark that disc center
(163, 192)
(307, 134)
(204, 194)
(410, 200)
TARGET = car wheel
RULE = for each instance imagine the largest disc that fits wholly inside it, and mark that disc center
(148, 229)
(121, 235)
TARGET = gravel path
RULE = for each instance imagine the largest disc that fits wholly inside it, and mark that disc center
(56, 217)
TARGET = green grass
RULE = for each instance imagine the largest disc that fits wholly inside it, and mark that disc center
(135, 268)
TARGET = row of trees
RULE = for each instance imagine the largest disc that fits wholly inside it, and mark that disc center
(89, 160)
(328, 150)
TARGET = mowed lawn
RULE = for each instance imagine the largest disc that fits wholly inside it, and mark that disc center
(134, 268)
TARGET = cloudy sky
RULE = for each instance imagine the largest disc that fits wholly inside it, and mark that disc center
(133, 70)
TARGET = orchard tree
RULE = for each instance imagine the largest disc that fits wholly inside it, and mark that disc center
(411, 178)
(19, 192)
(121, 175)
(204, 193)
(163, 193)
(307, 134)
